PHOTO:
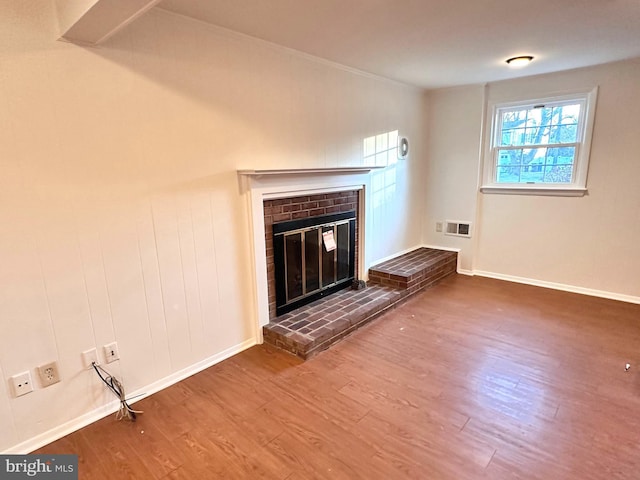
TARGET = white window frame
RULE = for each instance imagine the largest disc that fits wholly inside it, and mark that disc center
(578, 186)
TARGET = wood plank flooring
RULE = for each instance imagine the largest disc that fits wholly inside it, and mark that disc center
(473, 378)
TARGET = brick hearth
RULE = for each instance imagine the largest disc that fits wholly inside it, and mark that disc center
(415, 270)
(314, 327)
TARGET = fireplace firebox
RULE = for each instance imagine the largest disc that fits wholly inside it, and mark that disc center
(313, 258)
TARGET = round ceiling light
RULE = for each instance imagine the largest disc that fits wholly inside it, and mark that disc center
(518, 62)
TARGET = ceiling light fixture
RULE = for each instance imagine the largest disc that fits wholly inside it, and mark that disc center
(518, 62)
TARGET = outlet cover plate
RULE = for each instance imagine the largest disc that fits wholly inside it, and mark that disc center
(49, 373)
(21, 384)
(111, 352)
(89, 357)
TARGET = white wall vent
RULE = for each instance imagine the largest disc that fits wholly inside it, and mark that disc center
(458, 228)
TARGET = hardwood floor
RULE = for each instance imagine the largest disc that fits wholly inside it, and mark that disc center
(473, 378)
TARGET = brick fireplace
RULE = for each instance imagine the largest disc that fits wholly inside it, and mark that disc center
(281, 196)
(304, 207)
(287, 194)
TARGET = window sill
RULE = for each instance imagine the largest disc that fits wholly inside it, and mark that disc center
(536, 190)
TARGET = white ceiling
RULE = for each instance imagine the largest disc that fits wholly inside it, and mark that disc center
(432, 43)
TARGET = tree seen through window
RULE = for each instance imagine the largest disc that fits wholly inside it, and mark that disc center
(537, 144)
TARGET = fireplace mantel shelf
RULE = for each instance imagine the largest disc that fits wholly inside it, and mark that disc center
(308, 171)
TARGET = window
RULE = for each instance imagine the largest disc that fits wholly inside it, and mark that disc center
(540, 146)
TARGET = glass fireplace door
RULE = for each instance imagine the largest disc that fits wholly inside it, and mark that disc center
(306, 264)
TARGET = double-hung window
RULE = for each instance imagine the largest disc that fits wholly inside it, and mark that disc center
(540, 146)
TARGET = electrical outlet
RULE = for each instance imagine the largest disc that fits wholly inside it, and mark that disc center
(21, 384)
(438, 226)
(89, 357)
(49, 374)
(111, 352)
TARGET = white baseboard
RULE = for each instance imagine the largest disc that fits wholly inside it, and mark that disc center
(559, 286)
(540, 283)
(446, 249)
(83, 420)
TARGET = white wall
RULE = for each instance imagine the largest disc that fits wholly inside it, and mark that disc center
(453, 139)
(587, 243)
(121, 216)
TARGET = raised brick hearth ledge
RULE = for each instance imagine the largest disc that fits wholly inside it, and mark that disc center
(314, 327)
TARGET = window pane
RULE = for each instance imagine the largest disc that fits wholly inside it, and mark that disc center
(537, 135)
(534, 117)
(510, 157)
(558, 174)
(546, 115)
(512, 127)
(532, 165)
(567, 133)
(533, 156)
(508, 174)
(511, 119)
(567, 114)
(509, 162)
(532, 173)
(514, 136)
(561, 156)
(568, 153)
(506, 137)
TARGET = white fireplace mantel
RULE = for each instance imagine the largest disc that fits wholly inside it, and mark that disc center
(308, 171)
(261, 185)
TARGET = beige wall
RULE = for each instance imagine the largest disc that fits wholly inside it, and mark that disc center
(586, 243)
(69, 11)
(453, 140)
(121, 216)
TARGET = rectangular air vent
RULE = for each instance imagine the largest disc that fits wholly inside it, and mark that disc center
(458, 228)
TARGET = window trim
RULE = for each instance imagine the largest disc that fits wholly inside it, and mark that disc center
(578, 187)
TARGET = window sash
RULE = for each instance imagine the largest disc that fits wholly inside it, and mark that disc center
(540, 166)
(499, 118)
